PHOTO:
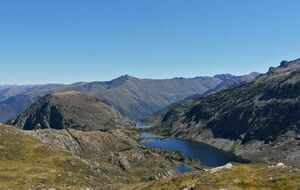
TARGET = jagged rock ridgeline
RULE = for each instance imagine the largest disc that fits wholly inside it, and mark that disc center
(70, 110)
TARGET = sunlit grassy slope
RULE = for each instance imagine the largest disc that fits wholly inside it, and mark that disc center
(248, 177)
(26, 163)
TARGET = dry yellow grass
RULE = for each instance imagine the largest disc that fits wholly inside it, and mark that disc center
(240, 177)
(26, 163)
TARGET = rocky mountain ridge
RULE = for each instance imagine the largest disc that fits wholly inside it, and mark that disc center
(259, 120)
(70, 110)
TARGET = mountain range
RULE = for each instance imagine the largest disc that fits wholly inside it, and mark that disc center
(134, 98)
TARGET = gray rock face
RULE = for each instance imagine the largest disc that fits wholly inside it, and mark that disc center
(258, 119)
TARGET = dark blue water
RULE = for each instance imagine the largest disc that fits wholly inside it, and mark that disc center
(208, 156)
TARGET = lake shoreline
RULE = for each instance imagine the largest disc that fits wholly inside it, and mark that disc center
(207, 155)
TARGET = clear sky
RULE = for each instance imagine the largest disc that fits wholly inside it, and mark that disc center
(64, 41)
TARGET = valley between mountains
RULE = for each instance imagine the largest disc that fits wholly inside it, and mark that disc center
(84, 135)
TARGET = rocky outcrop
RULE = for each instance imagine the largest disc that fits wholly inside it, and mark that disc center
(70, 110)
(90, 145)
(217, 169)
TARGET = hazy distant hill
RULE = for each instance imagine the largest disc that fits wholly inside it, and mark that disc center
(133, 97)
(259, 119)
(14, 105)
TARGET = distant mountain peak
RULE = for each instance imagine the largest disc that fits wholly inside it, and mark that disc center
(118, 81)
(125, 77)
(224, 76)
(254, 73)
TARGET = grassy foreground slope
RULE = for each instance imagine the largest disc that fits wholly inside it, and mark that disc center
(27, 163)
(71, 159)
(245, 177)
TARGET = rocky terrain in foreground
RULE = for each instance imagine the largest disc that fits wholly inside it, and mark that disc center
(259, 120)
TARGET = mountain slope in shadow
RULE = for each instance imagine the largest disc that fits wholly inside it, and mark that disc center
(259, 120)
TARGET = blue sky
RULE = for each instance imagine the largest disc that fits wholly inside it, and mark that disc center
(64, 41)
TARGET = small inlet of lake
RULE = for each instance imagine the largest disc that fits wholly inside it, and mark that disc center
(207, 155)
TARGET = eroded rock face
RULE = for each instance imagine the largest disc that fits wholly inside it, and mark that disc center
(259, 119)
